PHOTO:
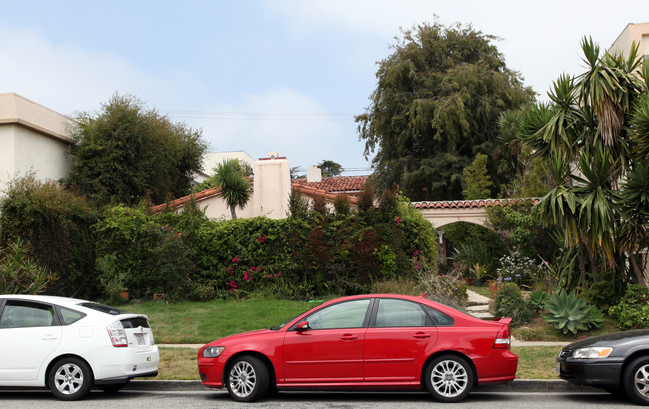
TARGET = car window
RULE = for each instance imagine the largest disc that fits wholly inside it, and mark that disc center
(69, 316)
(400, 313)
(349, 314)
(439, 318)
(18, 314)
(106, 309)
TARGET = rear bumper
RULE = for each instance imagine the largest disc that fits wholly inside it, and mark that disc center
(119, 364)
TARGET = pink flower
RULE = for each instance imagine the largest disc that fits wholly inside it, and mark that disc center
(258, 268)
(234, 260)
(414, 253)
(398, 220)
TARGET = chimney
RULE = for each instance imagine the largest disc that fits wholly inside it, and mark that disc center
(314, 174)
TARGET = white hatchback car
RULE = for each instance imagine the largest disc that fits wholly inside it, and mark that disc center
(69, 345)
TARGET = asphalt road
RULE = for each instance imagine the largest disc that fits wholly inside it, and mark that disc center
(218, 399)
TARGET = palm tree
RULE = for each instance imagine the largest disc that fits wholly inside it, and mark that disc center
(235, 188)
(587, 134)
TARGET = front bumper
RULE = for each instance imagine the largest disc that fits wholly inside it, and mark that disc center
(593, 372)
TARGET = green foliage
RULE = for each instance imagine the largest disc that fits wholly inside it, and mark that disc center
(569, 313)
(477, 183)
(144, 255)
(342, 206)
(127, 153)
(235, 188)
(330, 168)
(537, 300)
(298, 207)
(55, 224)
(21, 275)
(436, 105)
(387, 259)
(509, 302)
(475, 244)
(632, 312)
(521, 232)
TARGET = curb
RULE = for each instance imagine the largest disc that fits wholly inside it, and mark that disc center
(518, 385)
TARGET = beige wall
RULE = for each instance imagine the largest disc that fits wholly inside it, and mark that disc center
(632, 32)
(32, 140)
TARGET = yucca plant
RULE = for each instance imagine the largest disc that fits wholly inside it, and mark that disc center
(569, 313)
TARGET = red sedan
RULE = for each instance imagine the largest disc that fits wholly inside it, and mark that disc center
(366, 342)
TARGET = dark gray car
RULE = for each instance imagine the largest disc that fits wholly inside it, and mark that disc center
(617, 362)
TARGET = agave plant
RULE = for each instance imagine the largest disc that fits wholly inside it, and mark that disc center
(537, 299)
(568, 313)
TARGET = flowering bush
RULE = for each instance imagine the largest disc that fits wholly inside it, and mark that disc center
(520, 271)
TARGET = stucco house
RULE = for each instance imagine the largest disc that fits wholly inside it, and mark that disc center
(33, 139)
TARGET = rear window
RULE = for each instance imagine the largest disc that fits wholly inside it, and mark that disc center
(102, 308)
(135, 322)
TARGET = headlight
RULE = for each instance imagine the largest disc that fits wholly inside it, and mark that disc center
(213, 352)
(594, 352)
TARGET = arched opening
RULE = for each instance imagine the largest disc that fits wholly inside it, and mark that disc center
(472, 248)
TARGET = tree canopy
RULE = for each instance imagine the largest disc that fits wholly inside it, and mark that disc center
(330, 168)
(436, 105)
(127, 152)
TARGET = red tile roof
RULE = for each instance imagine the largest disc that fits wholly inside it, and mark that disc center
(338, 184)
(204, 194)
(468, 204)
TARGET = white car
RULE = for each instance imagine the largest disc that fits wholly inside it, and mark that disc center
(69, 345)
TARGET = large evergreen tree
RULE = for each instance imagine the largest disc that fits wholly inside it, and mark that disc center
(436, 105)
(127, 153)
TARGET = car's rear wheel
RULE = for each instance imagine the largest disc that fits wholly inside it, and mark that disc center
(70, 379)
(449, 378)
(247, 379)
(636, 380)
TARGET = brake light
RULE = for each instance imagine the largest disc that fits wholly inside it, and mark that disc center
(503, 340)
(117, 334)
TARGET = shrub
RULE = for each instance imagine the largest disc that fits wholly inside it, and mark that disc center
(448, 289)
(55, 225)
(569, 313)
(509, 302)
(632, 312)
(21, 275)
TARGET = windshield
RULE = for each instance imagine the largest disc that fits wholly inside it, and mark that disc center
(278, 327)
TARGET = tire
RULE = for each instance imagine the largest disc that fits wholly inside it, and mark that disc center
(449, 378)
(247, 379)
(70, 379)
(112, 387)
(636, 380)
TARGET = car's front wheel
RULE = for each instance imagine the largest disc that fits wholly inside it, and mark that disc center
(247, 379)
(70, 379)
(449, 378)
(636, 380)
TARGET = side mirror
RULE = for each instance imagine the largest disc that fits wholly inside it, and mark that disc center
(303, 326)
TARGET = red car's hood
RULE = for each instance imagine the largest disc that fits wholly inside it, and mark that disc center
(248, 335)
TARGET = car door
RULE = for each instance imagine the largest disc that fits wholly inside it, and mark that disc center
(330, 349)
(29, 333)
(397, 341)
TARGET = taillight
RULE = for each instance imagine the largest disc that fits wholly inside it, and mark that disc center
(502, 339)
(117, 334)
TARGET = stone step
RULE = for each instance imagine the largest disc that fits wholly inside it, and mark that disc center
(482, 315)
(478, 308)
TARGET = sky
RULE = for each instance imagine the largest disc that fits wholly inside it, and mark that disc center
(285, 76)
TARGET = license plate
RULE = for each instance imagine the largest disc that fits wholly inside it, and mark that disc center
(139, 338)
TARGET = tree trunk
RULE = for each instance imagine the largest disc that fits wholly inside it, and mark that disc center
(232, 210)
(639, 276)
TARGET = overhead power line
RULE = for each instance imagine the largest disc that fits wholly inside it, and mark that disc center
(261, 116)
